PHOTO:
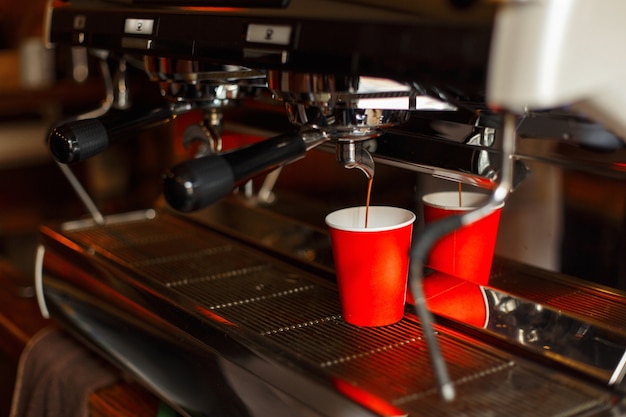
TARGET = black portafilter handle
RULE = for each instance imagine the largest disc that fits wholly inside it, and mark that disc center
(197, 183)
(78, 140)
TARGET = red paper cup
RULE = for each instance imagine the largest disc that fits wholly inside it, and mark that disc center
(455, 298)
(371, 263)
(466, 253)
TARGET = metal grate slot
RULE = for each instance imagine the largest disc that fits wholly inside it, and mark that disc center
(371, 357)
(577, 299)
(603, 309)
(161, 253)
(511, 391)
(202, 268)
(329, 344)
(280, 312)
(243, 287)
(131, 234)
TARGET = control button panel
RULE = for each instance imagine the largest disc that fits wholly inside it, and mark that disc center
(139, 26)
(269, 34)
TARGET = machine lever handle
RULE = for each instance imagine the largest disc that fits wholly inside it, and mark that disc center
(78, 140)
(199, 182)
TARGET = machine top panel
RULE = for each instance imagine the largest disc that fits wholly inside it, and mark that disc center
(429, 41)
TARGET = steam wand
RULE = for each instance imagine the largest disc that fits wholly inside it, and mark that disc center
(434, 231)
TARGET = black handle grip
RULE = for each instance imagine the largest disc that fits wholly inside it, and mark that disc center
(79, 140)
(200, 182)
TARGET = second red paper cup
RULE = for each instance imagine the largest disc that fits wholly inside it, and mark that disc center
(371, 262)
(467, 252)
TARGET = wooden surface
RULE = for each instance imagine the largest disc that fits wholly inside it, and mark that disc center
(20, 320)
(124, 399)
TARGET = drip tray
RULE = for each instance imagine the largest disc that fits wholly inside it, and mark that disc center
(282, 326)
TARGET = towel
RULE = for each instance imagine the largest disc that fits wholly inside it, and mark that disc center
(56, 375)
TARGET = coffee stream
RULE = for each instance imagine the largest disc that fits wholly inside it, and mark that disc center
(370, 181)
(367, 200)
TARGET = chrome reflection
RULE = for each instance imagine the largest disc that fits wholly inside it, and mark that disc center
(202, 84)
(329, 90)
(592, 347)
(588, 346)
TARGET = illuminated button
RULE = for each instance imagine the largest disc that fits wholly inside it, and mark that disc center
(139, 26)
(271, 34)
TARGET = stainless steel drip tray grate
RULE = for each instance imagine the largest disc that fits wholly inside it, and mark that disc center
(297, 317)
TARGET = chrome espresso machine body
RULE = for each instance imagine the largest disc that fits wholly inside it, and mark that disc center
(225, 304)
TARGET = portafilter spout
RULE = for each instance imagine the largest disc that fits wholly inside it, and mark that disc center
(352, 154)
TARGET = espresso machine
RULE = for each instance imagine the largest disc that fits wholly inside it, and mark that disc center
(221, 298)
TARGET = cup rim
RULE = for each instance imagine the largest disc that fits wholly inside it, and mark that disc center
(411, 217)
(427, 200)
